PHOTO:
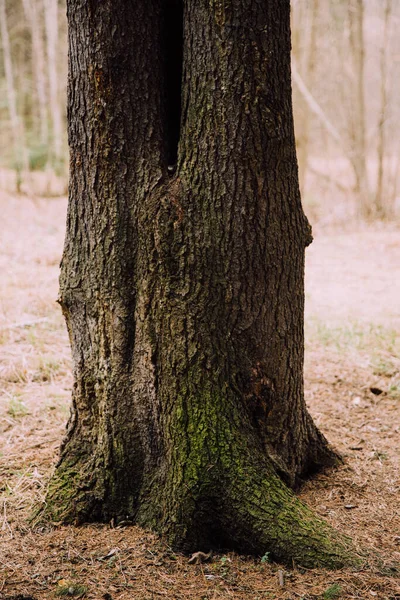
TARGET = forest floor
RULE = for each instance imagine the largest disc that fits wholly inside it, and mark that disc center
(352, 389)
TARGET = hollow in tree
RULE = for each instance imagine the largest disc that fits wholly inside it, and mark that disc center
(182, 280)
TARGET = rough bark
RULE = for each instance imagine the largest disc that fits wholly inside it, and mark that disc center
(182, 284)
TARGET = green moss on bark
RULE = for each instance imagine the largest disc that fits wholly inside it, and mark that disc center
(61, 497)
(222, 491)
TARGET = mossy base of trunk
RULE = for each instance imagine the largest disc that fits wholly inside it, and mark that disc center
(248, 508)
(65, 500)
(215, 490)
(250, 513)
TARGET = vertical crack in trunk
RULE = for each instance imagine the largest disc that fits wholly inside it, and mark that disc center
(173, 58)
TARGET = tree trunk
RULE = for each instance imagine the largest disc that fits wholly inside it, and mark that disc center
(182, 280)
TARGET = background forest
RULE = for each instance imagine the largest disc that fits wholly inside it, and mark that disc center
(346, 84)
(346, 73)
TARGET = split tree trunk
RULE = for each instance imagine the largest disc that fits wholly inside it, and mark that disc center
(182, 284)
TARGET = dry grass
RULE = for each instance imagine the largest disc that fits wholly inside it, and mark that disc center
(353, 321)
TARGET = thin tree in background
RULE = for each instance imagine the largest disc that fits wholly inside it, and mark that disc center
(351, 100)
(357, 124)
(51, 23)
(303, 137)
(20, 157)
(33, 10)
(382, 204)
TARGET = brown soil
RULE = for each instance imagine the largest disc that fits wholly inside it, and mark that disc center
(353, 321)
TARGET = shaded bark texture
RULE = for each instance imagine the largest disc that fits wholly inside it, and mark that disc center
(182, 280)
